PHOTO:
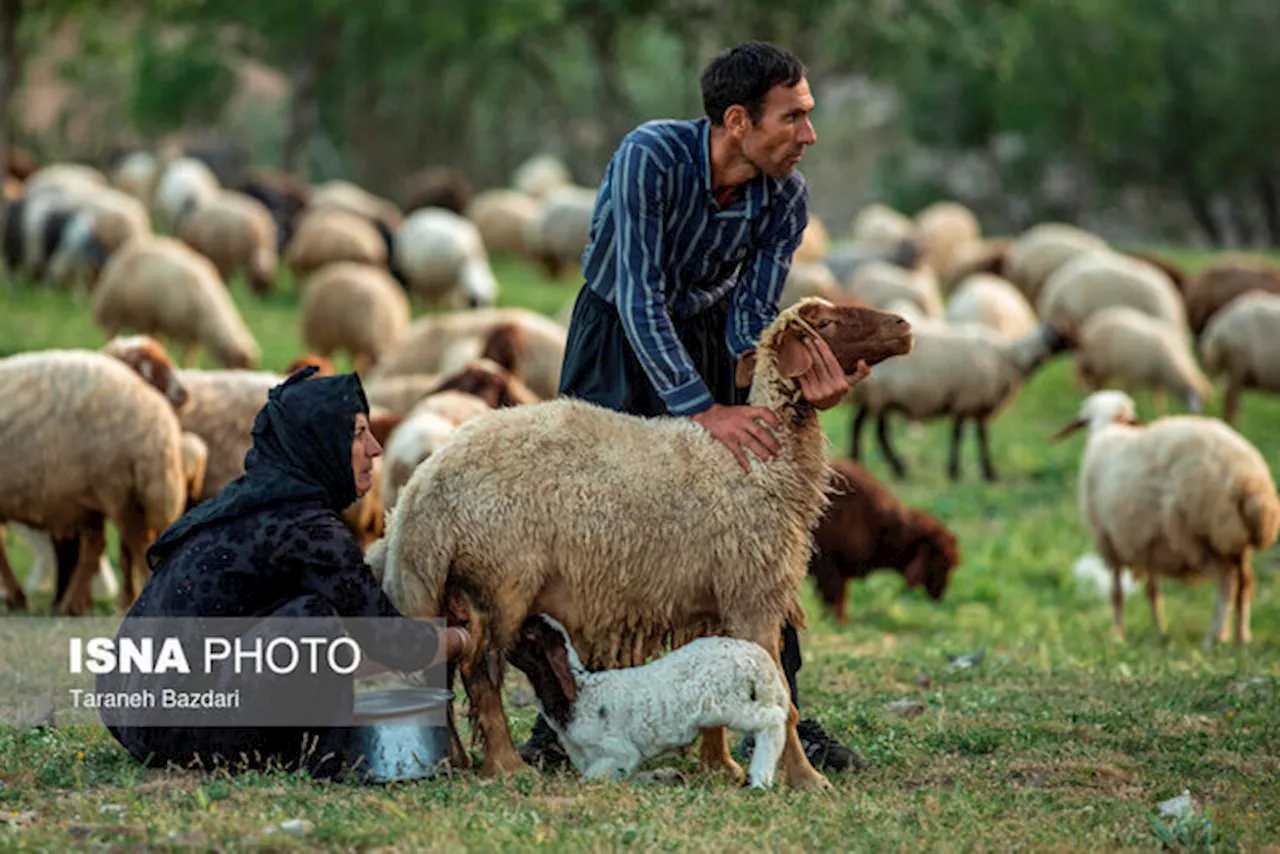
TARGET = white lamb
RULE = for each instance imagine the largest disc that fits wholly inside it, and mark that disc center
(611, 721)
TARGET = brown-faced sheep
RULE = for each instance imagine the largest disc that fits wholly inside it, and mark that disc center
(1221, 282)
(1184, 497)
(161, 287)
(588, 514)
(237, 233)
(356, 308)
(1242, 341)
(865, 528)
(114, 452)
(327, 235)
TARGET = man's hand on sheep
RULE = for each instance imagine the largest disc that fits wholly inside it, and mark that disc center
(740, 428)
(825, 383)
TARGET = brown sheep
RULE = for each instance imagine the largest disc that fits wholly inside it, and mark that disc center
(866, 528)
(630, 531)
(237, 233)
(1221, 282)
(357, 308)
(439, 188)
(326, 235)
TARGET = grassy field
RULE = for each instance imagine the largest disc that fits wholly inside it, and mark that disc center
(1062, 738)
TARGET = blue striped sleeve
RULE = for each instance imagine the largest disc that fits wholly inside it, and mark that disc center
(755, 299)
(636, 190)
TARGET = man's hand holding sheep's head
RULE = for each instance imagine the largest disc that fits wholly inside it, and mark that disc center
(825, 383)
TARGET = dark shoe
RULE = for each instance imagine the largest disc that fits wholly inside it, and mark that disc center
(543, 750)
(824, 752)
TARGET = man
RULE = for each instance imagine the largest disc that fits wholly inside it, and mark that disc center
(691, 239)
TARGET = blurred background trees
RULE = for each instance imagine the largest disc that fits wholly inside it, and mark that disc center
(1149, 119)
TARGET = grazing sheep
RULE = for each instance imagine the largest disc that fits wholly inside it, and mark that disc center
(613, 720)
(815, 243)
(441, 256)
(237, 233)
(65, 174)
(881, 228)
(943, 230)
(159, 286)
(1094, 280)
(589, 515)
(1218, 284)
(541, 174)
(1184, 497)
(1042, 249)
(220, 409)
(183, 185)
(865, 528)
(1243, 342)
(808, 279)
(354, 307)
(284, 195)
(986, 256)
(879, 283)
(329, 235)
(1176, 273)
(503, 218)
(343, 195)
(560, 232)
(135, 174)
(993, 302)
(442, 343)
(845, 259)
(83, 440)
(1141, 352)
(961, 372)
(442, 188)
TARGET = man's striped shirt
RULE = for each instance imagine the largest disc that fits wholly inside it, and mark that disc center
(660, 247)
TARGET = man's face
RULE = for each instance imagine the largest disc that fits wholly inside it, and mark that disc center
(776, 143)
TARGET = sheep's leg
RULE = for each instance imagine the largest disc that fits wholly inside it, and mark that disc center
(1231, 404)
(78, 599)
(1117, 597)
(15, 599)
(882, 436)
(984, 450)
(953, 459)
(855, 443)
(1157, 602)
(1244, 596)
(832, 586)
(1227, 590)
(500, 754)
(714, 754)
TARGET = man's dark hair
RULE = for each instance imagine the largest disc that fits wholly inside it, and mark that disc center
(744, 75)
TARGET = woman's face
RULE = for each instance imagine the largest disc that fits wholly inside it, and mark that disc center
(364, 447)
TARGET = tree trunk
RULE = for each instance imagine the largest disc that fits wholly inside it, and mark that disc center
(10, 12)
(1269, 201)
(1200, 208)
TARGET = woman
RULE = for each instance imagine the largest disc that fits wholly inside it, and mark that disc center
(273, 545)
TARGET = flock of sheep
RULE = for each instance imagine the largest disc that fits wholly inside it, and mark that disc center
(126, 436)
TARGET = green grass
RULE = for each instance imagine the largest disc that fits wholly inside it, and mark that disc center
(1062, 738)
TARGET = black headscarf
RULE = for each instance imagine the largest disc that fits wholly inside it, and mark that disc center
(301, 452)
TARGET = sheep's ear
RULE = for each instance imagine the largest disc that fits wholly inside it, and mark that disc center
(793, 356)
(914, 572)
(558, 658)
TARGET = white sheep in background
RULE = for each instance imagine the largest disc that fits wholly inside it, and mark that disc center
(808, 279)
(344, 195)
(1184, 497)
(944, 230)
(502, 217)
(993, 302)
(879, 282)
(541, 174)
(1242, 340)
(160, 286)
(414, 440)
(354, 307)
(327, 235)
(611, 721)
(1140, 351)
(559, 234)
(878, 226)
(237, 233)
(135, 174)
(442, 258)
(815, 243)
(1094, 280)
(1042, 249)
(182, 185)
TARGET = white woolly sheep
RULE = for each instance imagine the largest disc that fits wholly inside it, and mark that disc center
(113, 452)
(1140, 351)
(588, 514)
(328, 235)
(1042, 249)
(399, 393)
(845, 259)
(993, 302)
(347, 196)
(238, 234)
(354, 307)
(1242, 341)
(611, 721)
(442, 258)
(1184, 497)
(944, 230)
(559, 234)
(182, 185)
(502, 217)
(878, 226)
(962, 372)
(220, 409)
(808, 279)
(879, 283)
(444, 343)
(1096, 279)
(136, 174)
(65, 174)
(414, 440)
(161, 287)
(541, 174)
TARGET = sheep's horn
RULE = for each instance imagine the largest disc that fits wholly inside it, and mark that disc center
(1067, 431)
